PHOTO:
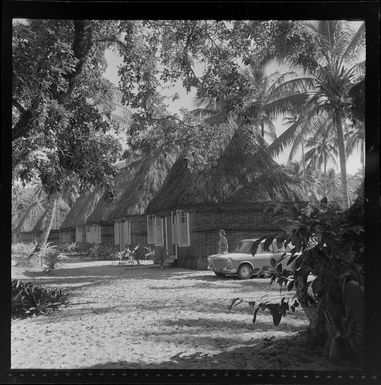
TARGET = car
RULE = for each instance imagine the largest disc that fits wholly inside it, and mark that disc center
(242, 263)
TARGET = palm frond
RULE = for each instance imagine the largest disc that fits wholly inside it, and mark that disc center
(355, 46)
(293, 86)
(288, 135)
(287, 104)
(271, 129)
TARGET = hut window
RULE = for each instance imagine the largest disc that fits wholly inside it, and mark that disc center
(183, 237)
(155, 229)
(127, 232)
(116, 233)
(150, 234)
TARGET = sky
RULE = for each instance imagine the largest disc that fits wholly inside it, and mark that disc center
(186, 100)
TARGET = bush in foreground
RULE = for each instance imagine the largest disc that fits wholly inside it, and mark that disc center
(29, 299)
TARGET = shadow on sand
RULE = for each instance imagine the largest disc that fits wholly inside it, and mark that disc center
(266, 354)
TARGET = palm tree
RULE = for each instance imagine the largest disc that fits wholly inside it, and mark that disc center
(260, 108)
(322, 147)
(355, 139)
(327, 86)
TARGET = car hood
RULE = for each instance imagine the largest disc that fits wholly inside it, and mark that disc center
(229, 255)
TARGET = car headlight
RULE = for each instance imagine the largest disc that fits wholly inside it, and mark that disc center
(209, 259)
(229, 263)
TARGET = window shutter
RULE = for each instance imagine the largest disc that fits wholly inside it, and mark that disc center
(116, 233)
(127, 229)
(150, 229)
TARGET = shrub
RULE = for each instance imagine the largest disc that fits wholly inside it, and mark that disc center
(21, 252)
(51, 257)
(23, 249)
(69, 247)
(138, 253)
(102, 252)
(29, 299)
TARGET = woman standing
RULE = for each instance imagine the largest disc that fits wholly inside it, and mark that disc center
(222, 243)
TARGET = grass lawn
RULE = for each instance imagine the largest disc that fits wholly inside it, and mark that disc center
(144, 317)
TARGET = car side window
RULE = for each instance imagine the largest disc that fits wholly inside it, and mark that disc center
(270, 249)
(261, 248)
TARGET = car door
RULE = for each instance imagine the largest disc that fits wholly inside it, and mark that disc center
(262, 258)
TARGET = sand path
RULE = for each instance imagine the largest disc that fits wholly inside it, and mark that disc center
(127, 317)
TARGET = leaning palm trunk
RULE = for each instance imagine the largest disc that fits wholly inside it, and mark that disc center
(343, 166)
(51, 210)
(49, 223)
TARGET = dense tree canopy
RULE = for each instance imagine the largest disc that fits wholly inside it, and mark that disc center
(62, 104)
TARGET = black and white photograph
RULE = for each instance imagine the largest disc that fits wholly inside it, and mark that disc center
(188, 194)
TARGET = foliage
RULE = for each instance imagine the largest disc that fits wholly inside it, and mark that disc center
(69, 247)
(357, 94)
(102, 252)
(327, 86)
(62, 105)
(207, 56)
(29, 299)
(328, 252)
(23, 250)
(51, 257)
(136, 254)
(277, 310)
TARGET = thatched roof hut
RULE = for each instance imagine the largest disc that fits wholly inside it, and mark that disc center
(83, 207)
(62, 210)
(243, 173)
(147, 180)
(106, 205)
(30, 211)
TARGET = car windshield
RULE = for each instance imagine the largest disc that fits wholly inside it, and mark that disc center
(244, 247)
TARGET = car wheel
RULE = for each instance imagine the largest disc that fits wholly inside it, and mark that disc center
(219, 275)
(244, 271)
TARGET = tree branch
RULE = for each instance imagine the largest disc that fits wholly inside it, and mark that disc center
(18, 105)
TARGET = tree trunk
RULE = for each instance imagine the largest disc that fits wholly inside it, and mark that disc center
(343, 161)
(314, 312)
(51, 211)
(325, 176)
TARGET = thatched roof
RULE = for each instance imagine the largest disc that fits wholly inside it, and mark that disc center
(146, 181)
(83, 207)
(106, 205)
(62, 209)
(243, 173)
(30, 210)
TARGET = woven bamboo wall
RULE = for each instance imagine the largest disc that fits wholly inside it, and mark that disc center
(238, 224)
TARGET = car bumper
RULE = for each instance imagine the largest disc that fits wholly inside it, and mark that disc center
(222, 270)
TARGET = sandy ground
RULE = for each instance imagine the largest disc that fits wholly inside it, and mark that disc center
(144, 317)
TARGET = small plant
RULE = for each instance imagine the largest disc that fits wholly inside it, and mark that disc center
(21, 252)
(277, 310)
(135, 255)
(29, 299)
(51, 257)
(93, 252)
